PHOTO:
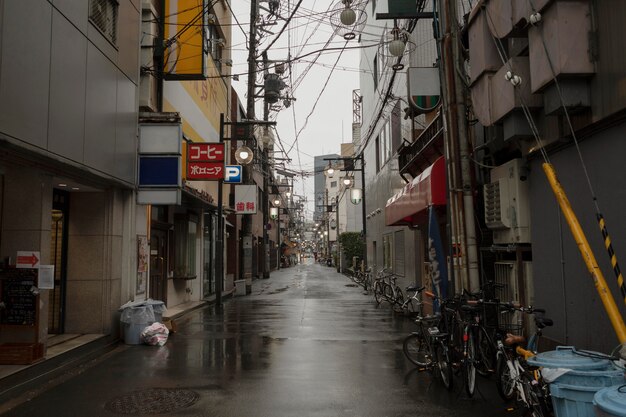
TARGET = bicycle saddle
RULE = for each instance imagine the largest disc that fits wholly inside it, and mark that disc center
(514, 339)
(414, 288)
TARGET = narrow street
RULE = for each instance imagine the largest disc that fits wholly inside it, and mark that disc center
(306, 342)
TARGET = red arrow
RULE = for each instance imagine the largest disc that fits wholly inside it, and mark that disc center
(32, 260)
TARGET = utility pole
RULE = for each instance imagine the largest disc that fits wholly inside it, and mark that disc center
(461, 206)
(250, 114)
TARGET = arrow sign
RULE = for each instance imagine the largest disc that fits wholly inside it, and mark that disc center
(27, 259)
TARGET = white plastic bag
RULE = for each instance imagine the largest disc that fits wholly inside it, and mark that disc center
(155, 335)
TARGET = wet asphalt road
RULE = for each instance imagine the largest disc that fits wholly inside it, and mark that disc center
(306, 342)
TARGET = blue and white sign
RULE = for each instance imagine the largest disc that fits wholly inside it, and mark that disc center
(233, 174)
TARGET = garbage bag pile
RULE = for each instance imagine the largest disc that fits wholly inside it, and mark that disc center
(155, 335)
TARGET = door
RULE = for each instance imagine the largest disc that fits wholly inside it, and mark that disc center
(158, 265)
(58, 258)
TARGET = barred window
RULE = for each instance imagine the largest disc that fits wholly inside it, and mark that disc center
(103, 14)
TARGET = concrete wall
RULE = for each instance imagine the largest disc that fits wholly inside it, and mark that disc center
(26, 225)
(95, 260)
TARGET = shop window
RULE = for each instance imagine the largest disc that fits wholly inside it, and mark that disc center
(185, 233)
(103, 14)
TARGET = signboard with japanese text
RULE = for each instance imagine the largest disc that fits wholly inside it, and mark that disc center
(205, 161)
(205, 152)
(246, 199)
(205, 171)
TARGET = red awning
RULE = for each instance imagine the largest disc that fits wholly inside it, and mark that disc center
(408, 206)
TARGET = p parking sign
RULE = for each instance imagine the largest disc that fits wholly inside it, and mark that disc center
(232, 174)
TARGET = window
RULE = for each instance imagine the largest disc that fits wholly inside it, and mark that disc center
(215, 45)
(333, 184)
(396, 126)
(384, 145)
(388, 251)
(377, 144)
(185, 231)
(376, 72)
(103, 14)
(398, 249)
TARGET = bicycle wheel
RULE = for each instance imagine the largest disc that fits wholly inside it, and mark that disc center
(378, 292)
(469, 369)
(485, 353)
(416, 350)
(388, 293)
(536, 405)
(443, 364)
(504, 379)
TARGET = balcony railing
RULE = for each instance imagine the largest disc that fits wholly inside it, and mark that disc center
(424, 151)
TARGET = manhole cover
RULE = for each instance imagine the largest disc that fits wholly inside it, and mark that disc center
(153, 401)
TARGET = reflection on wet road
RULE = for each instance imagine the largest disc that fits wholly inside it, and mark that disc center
(304, 343)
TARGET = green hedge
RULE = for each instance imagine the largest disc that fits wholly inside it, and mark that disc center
(352, 245)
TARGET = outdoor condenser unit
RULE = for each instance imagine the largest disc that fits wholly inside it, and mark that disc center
(507, 210)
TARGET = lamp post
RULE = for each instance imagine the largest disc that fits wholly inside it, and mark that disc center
(330, 171)
(244, 156)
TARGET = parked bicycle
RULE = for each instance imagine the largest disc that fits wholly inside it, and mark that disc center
(413, 304)
(427, 347)
(380, 284)
(515, 377)
(363, 278)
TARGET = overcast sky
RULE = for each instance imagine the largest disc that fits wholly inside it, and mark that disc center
(330, 122)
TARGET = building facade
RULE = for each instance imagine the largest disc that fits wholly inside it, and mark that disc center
(69, 92)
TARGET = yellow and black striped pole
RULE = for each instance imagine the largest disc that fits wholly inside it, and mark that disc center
(612, 256)
(587, 253)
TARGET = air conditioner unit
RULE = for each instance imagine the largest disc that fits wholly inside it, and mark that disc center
(507, 209)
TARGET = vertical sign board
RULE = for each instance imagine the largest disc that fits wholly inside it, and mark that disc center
(245, 199)
(205, 161)
(424, 88)
(185, 55)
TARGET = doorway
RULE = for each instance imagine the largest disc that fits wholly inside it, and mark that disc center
(158, 264)
(58, 258)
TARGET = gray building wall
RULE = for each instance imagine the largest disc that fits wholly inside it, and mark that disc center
(68, 113)
(65, 90)
(562, 284)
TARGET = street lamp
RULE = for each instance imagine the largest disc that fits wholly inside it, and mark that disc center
(356, 195)
(347, 181)
(244, 155)
(330, 171)
(277, 201)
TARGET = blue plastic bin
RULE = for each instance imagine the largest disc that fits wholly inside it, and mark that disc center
(611, 402)
(572, 393)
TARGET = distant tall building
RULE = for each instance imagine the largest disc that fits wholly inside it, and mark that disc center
(319, 165)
